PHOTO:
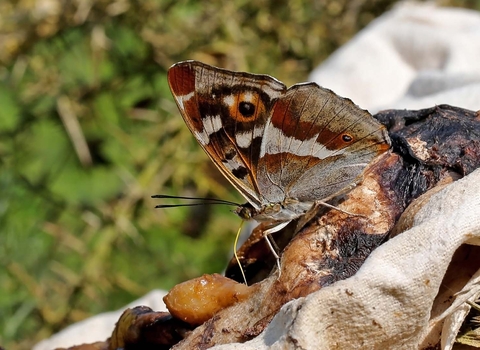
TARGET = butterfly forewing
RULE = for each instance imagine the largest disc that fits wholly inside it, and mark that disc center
(227, 113)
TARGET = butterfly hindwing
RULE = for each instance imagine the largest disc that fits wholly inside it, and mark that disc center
(316, 144)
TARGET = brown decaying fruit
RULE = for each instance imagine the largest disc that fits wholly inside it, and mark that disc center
(197, 300)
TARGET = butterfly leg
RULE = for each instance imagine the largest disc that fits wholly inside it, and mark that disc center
(268, 232)
(337, 208)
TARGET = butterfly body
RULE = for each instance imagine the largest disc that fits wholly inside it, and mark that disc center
(273, 212)
(283, 149)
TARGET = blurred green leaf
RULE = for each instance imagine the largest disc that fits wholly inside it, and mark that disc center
(9, 111)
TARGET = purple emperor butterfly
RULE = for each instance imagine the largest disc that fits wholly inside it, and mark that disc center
(283, 149)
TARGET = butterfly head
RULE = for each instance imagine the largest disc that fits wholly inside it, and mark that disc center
(246, 211)
(267, 212)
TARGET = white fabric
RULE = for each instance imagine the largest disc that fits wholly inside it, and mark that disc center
(415, 56)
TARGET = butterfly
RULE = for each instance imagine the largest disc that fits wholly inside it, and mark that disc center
(284, 149)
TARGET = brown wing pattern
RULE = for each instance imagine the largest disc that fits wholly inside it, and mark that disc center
(227, 112)
(272, 143)
(316, 144)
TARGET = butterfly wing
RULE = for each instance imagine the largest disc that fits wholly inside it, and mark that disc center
(227, 111)
(315, 145)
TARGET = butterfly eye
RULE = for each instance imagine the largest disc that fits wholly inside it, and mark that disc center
(347, 138)
(247, 109)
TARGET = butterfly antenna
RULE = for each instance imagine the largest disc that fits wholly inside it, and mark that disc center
(203, 201)
(235, 252)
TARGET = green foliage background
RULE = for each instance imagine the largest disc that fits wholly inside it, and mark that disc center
(89, 131)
